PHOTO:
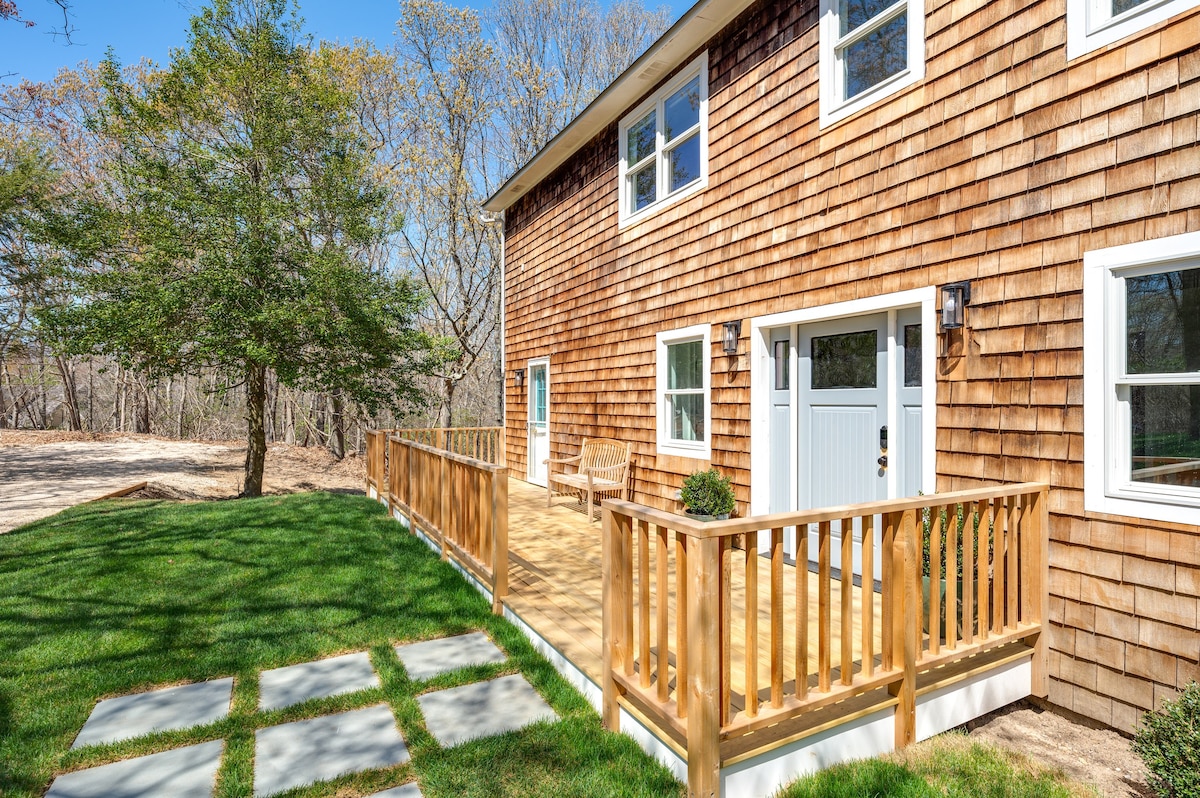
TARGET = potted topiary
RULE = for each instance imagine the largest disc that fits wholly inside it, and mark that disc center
(707, 495)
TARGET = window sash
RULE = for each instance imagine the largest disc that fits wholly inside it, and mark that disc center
(864, 30)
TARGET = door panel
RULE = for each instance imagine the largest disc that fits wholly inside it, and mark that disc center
(539, 421)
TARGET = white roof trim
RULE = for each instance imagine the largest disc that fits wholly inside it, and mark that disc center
(703, 21)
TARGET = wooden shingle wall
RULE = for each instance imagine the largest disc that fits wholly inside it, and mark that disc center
(1003, 167)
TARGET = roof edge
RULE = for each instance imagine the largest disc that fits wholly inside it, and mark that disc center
(701, 22)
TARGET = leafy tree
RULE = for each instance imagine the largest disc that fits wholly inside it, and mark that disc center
(240, 210)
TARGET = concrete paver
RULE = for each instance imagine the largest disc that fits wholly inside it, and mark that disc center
(482, 709)
(433, 657)
(410, 790)
(308, 751)
(189, 772)
(158, 710)
(283, 687)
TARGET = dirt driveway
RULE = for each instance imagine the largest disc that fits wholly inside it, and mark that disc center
(42, 473)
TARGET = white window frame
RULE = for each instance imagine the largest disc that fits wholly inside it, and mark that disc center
(666, 444)
(1107, 487)
(1092, 25)
(833, 106)
(626, 216)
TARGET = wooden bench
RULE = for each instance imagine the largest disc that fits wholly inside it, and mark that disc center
(602, 466)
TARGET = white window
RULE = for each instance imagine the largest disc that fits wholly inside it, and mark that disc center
(683, 372)
(869, 50)
(1092, 24)
(1141, 333)
(664, 145)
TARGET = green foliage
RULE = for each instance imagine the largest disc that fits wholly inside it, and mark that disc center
(112, 598)
(1169, 743)
(708, 493)
(949, 764)
(238, 229)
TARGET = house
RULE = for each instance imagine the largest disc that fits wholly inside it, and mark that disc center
(856, 251)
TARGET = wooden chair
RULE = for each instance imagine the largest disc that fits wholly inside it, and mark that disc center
(602, 466)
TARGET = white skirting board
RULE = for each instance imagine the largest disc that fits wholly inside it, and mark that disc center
(372, 493)
(955, 704)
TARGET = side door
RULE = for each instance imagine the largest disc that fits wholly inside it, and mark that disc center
(539, 420)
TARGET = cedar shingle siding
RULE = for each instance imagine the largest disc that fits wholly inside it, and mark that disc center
(1003, 166)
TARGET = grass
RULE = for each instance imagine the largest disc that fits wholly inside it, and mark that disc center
(947, 765)
(119, 597)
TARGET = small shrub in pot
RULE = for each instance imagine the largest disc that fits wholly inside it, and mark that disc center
(708, 493)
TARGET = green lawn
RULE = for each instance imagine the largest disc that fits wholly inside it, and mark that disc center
(112, 598)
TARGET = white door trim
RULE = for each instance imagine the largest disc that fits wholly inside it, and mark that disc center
(760, 364)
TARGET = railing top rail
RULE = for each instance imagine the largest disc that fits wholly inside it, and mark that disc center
(738, 526)
(482, 465)
(445, 429)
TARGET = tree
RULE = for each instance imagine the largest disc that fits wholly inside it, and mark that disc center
(241, 208)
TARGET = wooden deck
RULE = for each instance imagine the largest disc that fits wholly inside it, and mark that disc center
(555, 563)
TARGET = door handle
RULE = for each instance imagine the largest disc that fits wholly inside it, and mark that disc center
(882, 461)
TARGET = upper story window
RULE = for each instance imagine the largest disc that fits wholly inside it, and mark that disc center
(684, 414)
(664, 145)
(1142, 379)
(869, 50)
(1092, 24)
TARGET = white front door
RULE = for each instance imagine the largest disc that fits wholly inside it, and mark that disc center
(855, 404)
(539, 420)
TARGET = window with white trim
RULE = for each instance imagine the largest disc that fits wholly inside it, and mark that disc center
(1142, 379)
(683, 377)
(870, 49)
(1092, 24)
(664, 145)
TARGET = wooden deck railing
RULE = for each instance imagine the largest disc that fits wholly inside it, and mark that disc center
(730, 652)
(478, 443)
(458, 501)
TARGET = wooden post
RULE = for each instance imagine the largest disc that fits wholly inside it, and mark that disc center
(499, 539)
(906, 625)
(1039, 572)
(704, 668)
(447, 503)
(614, 574)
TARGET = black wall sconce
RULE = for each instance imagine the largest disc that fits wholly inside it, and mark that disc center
(955, 298)
(731, 332)
(519, 377)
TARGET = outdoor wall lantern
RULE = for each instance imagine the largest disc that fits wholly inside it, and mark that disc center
(729, 336)
(955, 298)
(519, 377)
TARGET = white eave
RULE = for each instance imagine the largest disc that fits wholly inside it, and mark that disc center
(703, 21)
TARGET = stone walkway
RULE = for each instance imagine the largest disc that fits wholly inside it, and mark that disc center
(308, 751)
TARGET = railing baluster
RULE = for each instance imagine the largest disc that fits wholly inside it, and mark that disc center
(724, 585)
(643, 549)
(970, 522)
(681, 624)
(662, 592)
(953, 577)
(983, 541)
(934, 620)
(846, 664)
(887, 543)
(868, 595)
(802, 582)
(1012, 582)
(824, 608)
(751, 553)
(777, 617)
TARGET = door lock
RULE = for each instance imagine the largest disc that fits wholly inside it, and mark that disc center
(882, 461)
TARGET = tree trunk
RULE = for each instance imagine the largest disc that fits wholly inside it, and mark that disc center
(70, 393)
(337, 431)
(141, 407)
(256, 443)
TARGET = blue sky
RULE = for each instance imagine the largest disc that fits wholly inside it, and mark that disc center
(151, 28)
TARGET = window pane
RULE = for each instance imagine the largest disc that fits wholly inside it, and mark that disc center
(682, 109)
(845, 361)
(684, 163)
(1162, 316)
(643, 186)
(687, 416)
(640, 139)
(1121, 6)
(853, 13)
(538, 376)
(876, 57)
(1166, 434)
(912, 356)
(782, 366)
(685, 366)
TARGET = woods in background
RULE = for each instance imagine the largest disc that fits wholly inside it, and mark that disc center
(278, 239)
